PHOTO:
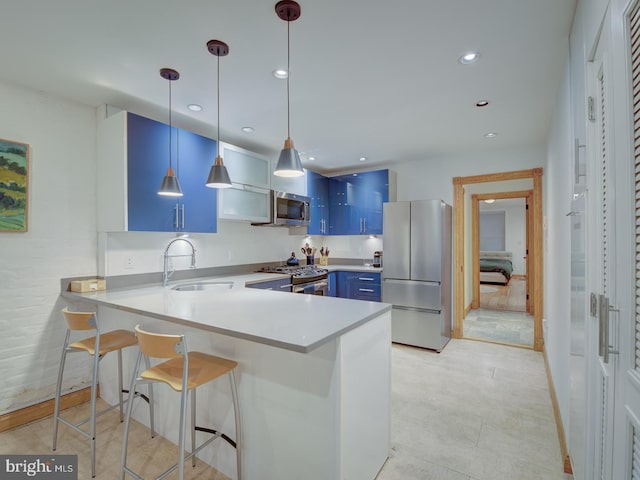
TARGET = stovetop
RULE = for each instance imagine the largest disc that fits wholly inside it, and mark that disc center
(302, 271)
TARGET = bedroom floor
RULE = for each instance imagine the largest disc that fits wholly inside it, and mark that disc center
(513, 328)
(512, 296)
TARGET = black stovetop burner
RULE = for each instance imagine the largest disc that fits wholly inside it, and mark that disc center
(303, 271)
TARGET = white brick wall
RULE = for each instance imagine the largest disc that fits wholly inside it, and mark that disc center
(61, 241)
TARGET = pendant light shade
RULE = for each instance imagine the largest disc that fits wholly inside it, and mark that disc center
(289, 164)
(170, 185)
(218, 175)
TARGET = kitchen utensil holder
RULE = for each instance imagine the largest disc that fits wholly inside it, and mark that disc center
(324, 260)
(310, 260)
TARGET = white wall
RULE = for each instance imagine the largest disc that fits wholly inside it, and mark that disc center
(558, 189)
(61, 241)
(433, 178)
(236, 243)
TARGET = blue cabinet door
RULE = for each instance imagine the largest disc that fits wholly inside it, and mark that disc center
(373, 189)
(332, 281)
(318, 191)
(344, 211)
(359, 286)
(356, 200)
(147, 162)
(198, 207)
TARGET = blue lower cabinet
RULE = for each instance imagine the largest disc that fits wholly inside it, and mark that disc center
(283, 285)
(332, 280)
(359, 286)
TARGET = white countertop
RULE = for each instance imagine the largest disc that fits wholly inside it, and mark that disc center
(351, 268)
(291, 321)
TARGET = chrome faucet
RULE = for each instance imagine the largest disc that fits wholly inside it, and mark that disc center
(165, 273)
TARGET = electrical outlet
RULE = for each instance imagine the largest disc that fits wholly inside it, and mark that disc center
(128, 263)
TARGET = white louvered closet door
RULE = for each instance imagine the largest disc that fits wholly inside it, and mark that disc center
(630, 376)
(604, 251)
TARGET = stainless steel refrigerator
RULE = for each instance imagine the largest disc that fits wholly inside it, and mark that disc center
(417, 271)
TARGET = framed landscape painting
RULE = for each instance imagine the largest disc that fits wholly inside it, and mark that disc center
(14, 169)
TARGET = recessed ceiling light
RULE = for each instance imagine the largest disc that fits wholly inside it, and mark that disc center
(194, 107)
(482, 103)
(247, 129)
(490, 135)
(490, 200)
(469, 57)
(312, 158)
(362, 159)
(280, 73)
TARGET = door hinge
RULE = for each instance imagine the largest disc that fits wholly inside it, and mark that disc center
(527, 296)
(591, 109)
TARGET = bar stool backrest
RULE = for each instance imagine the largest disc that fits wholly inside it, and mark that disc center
(80, 320)
(159, 345)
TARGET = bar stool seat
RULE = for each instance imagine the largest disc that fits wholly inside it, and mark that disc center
(103, 343)
(109, 342)
(183, 371)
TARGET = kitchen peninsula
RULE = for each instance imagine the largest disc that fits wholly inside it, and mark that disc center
(314, 373)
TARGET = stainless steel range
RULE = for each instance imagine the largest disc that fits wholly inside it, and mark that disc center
(307, 279)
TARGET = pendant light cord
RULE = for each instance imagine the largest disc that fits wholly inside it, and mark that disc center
(170, 145)
(288, 76)
(218, 141)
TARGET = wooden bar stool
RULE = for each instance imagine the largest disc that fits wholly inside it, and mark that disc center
(102, 343)
(183, 371)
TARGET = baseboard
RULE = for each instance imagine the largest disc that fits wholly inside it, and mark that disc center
(468, 309)
(564, 450)
(521, 277)
(44, 409)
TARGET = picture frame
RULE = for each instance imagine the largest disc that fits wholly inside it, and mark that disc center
(14, 186)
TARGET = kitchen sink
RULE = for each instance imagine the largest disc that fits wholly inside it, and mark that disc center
(198, 286)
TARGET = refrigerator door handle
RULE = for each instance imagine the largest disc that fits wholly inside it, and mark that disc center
(409, 282)
(413, 309)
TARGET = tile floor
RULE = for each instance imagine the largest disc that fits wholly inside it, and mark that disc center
(500, 326)
(476, 411)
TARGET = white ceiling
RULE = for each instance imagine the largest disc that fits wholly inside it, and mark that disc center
(371, 79)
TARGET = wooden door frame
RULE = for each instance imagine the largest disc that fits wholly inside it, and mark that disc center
(476, 198)
(536, 247)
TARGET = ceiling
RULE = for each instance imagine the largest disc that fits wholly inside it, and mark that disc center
(367, 78)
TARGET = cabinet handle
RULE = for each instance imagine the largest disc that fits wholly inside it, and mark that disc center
(183, 216)
(366, 290)
(177, 216)
(360, 225)
(364, 222)
(369, 279)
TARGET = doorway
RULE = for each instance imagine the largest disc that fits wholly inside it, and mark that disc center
(501, 227)
(464, 270)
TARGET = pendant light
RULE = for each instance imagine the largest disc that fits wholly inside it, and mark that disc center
(218, 175)
(170, 185)
(289, 162)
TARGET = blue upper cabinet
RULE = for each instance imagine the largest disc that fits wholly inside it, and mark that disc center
(318, 191)
(147, 162)
(356, 202)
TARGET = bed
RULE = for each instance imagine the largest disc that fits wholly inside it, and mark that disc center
(495, 267)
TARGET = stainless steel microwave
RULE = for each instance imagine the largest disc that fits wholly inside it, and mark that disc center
(288, 209)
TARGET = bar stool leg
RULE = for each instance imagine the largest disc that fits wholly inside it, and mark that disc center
(236, 411)
(193, 426)
(127, 420)
(120, 397)
(56, 409)
(150, 395)
(181, 439)
(94, 391)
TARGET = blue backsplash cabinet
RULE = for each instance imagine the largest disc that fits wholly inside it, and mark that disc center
(147, 162)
